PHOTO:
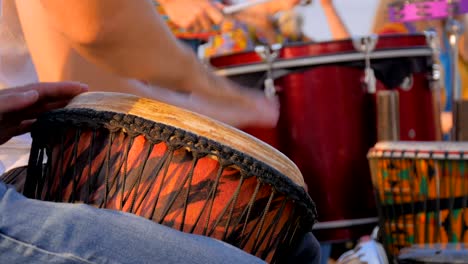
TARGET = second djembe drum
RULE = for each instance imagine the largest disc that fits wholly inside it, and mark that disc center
(422, 193)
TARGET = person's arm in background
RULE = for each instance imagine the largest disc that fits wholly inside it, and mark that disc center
(337, 27)
(130, 39)
(104, 45)
(260, 16)
(380, 16)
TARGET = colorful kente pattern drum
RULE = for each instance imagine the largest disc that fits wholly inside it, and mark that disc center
(171, 166)
(422, 192)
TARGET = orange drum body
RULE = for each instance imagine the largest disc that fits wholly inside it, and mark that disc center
(422, 191)
(328, 117)
(149, 159)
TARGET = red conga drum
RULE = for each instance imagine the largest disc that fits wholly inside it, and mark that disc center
(328, 117)
(172, 166)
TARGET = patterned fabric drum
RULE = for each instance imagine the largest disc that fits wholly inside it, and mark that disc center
(422, 192)
(328, 120)
(172, 166)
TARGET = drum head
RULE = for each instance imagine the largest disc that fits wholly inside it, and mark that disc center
(434, 254)
(408, 149)
(193, 123)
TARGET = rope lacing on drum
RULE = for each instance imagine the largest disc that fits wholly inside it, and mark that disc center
(177, 138)
(130, 127)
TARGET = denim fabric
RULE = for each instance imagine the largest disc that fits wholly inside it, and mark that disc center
(308, 251)
(33, 231)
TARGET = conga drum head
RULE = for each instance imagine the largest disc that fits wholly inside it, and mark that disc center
(172, 166)
(421, 191)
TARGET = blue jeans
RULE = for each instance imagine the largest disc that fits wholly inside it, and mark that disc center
(33, 231)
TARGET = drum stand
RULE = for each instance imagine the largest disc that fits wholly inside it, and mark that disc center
(366, 46)
(435, 78)
(388, 128)
(269, 54)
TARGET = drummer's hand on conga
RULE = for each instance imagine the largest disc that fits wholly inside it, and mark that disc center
(260, 17)
(194, 15)
(20, 106)
(260, 20)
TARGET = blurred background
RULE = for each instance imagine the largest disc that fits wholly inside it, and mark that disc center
(357, 16)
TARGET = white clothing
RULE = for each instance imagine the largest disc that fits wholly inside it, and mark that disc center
(16, 69)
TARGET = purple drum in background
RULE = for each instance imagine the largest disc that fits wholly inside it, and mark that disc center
(407, 11)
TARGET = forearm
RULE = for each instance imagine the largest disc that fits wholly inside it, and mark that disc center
(337, 27)
(126, 37)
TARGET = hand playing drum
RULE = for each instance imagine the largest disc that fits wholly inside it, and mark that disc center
(20, 106)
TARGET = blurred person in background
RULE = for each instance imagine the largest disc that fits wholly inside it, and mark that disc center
(382, 25)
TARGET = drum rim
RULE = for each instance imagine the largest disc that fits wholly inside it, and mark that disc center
(281, 64)
(309, 60)
(79, 112)
(420, 149)
(385, 37)
(429, 253)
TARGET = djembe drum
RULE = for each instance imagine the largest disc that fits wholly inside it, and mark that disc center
(422, 193)
(172, 166)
